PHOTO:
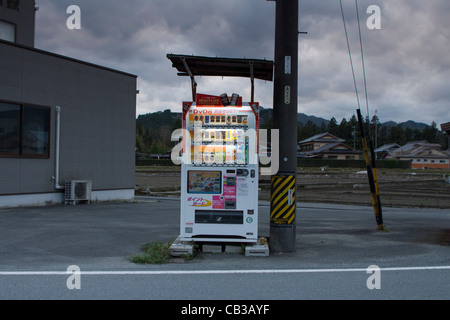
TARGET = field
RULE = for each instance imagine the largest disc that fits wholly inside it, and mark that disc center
(398, 188)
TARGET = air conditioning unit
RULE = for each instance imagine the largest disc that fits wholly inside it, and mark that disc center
(77, 190)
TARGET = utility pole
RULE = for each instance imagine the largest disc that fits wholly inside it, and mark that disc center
(376, 134)
(283, 201)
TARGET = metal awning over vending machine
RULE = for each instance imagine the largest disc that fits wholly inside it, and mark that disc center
(191, 66)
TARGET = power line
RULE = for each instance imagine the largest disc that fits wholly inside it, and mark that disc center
(350, 54)
(363, 64)
(362, 59)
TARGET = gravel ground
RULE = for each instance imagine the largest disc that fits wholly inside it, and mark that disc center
(398, 188)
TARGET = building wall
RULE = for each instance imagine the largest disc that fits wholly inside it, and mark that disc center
(24, 19)
(338, 156)
(98, 118)
(419, 163)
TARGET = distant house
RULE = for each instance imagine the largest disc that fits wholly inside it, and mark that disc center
(423, 155)
(326, 146)
(446, 128)
(387, 151)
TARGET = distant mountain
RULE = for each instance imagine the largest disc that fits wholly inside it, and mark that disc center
(389, 124)
(304, 118)
(155, 120)
(166, 118)
(266, 114)
(407, 124)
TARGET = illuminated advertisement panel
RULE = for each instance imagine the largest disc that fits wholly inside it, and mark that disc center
(204, 182)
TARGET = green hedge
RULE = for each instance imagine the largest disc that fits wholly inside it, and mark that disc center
(394, 164)
(154, 162)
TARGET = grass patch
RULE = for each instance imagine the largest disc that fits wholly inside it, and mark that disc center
(158, 253)
(153, 253)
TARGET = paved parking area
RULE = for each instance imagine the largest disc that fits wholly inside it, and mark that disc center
(106, 234)
(103, 236)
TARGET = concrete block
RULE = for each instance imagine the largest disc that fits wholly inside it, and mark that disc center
(212, 248)
(257, 250)
(178, 248)
(233, 248)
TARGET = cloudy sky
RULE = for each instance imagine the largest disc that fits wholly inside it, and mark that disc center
(407, 61)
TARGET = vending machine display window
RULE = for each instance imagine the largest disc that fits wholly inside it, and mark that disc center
(204, 182)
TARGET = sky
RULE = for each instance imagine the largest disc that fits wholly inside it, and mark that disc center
(407, 64)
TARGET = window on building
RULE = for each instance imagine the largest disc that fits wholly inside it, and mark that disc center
(13, 4)
(7, 31)
(24, 131)
(36, 128)
(10, 129)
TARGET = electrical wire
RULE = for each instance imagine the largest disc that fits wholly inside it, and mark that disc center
(363, 64)
(350, 55)
(362, 59)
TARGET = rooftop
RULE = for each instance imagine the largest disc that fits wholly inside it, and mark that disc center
(24, 47)
(322, 137)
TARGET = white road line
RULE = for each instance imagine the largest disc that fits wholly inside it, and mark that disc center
(206, 272)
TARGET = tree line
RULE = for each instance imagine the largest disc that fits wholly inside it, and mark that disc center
(381, 134)
(153, 131)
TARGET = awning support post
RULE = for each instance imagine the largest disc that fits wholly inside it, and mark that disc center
(193, 82)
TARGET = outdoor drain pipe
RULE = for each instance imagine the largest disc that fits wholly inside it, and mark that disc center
(58, 136)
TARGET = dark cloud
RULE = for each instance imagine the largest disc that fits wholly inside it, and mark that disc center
(407, 62)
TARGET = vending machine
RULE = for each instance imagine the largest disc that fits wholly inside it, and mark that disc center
(219, 170)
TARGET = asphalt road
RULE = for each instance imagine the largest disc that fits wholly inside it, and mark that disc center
(249, 285)
(335, 247)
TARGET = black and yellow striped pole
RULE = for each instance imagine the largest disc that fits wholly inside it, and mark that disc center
(283, 214)
(283, 208)
(372, 175)
(282, 201)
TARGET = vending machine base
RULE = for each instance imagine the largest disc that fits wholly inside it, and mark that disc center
(257, 250)
(180, 248)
